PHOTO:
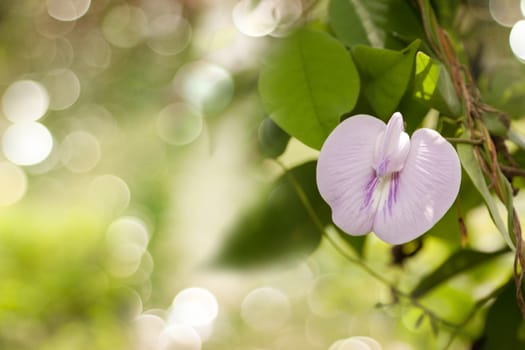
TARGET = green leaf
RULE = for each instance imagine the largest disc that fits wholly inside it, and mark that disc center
(306, 83)
(278, 228)
(504, 324)
(272, 139)
(385, 75)
(472, 168)
(376, 23)
(456, 264)
(433, 86)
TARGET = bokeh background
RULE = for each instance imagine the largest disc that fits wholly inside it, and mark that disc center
(132, 140)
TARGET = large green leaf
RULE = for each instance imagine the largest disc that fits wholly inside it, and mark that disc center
(385, 75)
(456, 264)
(504, 324)
(306, 83)
(376, 23)
(433, 86)
(278, 227)
(473, 169)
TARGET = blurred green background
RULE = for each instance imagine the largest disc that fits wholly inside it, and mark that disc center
(133, 138)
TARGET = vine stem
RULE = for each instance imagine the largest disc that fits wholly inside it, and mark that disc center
(399, 294)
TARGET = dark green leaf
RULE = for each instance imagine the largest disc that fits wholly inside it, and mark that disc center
(433, 86)
(385, 75)
(272, 139)
(472, 168)
(278, 227)
(306, 84)
(504, 324)
(377, 23)
(456, 264)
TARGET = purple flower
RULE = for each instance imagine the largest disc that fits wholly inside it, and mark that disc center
(375, 178)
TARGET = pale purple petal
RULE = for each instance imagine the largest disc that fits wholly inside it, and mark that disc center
(392, 147)
(427, 186)
(345, 172)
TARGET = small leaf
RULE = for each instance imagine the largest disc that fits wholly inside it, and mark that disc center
(272, 139)
(504, 324)
(306, 84)
(472, 168)
(385, 75)
(433, 86)
(456, 264)
(278, 228)
(376, 23)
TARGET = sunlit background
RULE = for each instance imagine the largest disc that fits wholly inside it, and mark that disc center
(129, 146)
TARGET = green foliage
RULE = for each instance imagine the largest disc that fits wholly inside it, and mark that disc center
(279, 227)
(272, 139)
(385, 75)
(473, 169)
(376, 23)
(306, 83)
(504, 325)
(458, 263)
(54, 276)
(433, 86)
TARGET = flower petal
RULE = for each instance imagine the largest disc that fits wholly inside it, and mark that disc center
(345, 168)
(428, 186)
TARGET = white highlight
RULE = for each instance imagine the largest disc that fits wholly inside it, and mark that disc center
(356, 343)
(67, 10)
(207, 86)
(180, 337)
(266, 17)
(517, 39)
(25, 101)
(27, 143)
(194, 307)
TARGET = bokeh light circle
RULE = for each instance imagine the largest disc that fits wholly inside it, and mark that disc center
(25, 101)
(180, 337)
(194, 307)
(64, 88)
(350, 344)
(266, 309)
(266, 17)
(254, 19)
(110, 193)
(207, 86)
(179, 124)
(13, 183)
(128, 229)
(517, 39)
(505, 12)
(27, 143)
(95, 50)
(67, 10)
(80, 151)
(147, 330)
(169, 34)
(125, 26)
